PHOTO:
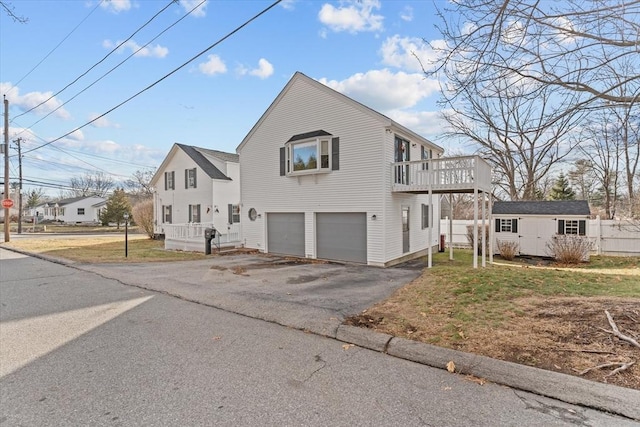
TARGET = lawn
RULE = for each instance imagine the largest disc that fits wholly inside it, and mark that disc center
(544, 316)
(103, 249)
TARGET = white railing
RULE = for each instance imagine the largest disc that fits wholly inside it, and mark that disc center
(448, 173)
(190, 236)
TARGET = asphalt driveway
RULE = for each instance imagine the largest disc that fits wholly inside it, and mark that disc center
(313, 296)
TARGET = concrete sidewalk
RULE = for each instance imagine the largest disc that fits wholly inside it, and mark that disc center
(316, 297)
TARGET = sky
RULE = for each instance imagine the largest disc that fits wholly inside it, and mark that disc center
(178, 78)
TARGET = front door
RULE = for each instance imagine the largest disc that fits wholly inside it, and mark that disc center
(405, 229)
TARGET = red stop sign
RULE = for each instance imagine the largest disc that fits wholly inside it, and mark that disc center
(7, 203)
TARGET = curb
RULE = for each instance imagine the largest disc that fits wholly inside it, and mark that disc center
(567, 388)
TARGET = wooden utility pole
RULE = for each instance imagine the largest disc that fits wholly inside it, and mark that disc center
(18, 143)
(7, 219)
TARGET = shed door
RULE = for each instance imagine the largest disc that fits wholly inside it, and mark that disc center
(285, 233)
(342, 236)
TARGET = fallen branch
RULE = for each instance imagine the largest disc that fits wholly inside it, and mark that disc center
(623, 367)
(586, 350)
(615, 331)
(604, 365)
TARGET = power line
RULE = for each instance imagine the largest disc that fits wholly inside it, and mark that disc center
(55, 48)
(102, 60)
(165, 76)
(110, 71)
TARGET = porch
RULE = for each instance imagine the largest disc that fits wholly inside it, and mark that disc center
(463, 174)
(190, 236)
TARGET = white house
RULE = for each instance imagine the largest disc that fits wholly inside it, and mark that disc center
(196, 188)
(83, 209)
(323, 176)
(532, 224)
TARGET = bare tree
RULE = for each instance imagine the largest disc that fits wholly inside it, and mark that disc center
(583, 179)
(139, 185)
(573, 45)
(10, 11)
(97, 184)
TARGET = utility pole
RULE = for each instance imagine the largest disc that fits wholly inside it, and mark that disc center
(5, 146)
(18, 143)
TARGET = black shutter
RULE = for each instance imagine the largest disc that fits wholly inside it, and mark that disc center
(230, 209)
(561, 226)
(195, 173)
(582, 227)
(335, 153)
(497, 225)
(283, 160)
(166, 186)
(190, 214)
(170, 215)
(186, 178)
(514, 225)
(173, 180)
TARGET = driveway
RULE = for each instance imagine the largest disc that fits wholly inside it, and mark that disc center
(308, 295)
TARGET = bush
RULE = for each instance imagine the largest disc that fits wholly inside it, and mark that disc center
(470, 238)
(508, 249)
(569, 249)
(142, 214)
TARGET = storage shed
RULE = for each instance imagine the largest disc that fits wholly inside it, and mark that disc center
(533, 223)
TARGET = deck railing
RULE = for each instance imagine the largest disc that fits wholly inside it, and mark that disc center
(448, 173)
(192, 234)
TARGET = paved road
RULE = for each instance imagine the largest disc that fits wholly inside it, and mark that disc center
(80, 349)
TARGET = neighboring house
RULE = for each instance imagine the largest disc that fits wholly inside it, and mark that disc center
(323, 176)
(532, 224)
(196, 188)
(72, 210)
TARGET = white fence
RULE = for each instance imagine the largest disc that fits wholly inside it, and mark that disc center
(608, 237)
(190, 236)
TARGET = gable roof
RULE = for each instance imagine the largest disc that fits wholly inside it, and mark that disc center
(544, 207)
(63, 202)
(199, 156)
(384, 120)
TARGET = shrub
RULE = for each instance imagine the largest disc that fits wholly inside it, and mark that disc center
(569, 249)
(142, 214)
(470, 238)
(508, 249)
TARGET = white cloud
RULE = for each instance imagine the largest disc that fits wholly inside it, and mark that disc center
(76, 135)
(407, 14)
(409, 52)
(354, 17)
(214, 65)
(32, 99)
(102, 122)
(107, 147)
(200, 12)
(430, 124)
(383, 90)
(288, 4)
(264, 70)
(116, 6)
(156, 51)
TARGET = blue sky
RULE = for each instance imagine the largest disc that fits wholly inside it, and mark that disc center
(366, 49)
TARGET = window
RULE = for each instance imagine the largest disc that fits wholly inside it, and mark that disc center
(190, 178)
(194, 213)
(169, 180)
(304, 154)
(572, 226)
(426, 210)
(234, 214)
(80, 211)
(506, 225)
(166, 214)
(425, 154)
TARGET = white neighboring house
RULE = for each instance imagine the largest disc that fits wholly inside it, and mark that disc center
(323, 176)
(194, 189)
(532, 224)
(85, 209)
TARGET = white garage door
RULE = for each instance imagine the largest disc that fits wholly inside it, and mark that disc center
(285, 233)
(342, 236)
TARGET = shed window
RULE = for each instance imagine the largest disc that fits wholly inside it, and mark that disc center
(506, 225)
(577, 227)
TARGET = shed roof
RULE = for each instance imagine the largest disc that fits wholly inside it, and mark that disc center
(544, 207)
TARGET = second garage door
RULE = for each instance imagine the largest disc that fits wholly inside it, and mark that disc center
(342, 236)
(285, 233)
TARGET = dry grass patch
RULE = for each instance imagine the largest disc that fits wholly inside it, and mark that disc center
(543, 317)
(103, 249)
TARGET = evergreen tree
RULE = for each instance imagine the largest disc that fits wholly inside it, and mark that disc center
(562, 189)
(117, 205)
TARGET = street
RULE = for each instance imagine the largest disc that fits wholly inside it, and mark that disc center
(77, 348)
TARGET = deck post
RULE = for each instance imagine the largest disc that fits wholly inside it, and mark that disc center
(474, 243)
(484, 230)
(431, 222)
(451, 226)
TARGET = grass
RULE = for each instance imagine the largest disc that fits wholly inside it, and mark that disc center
(104, 249)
